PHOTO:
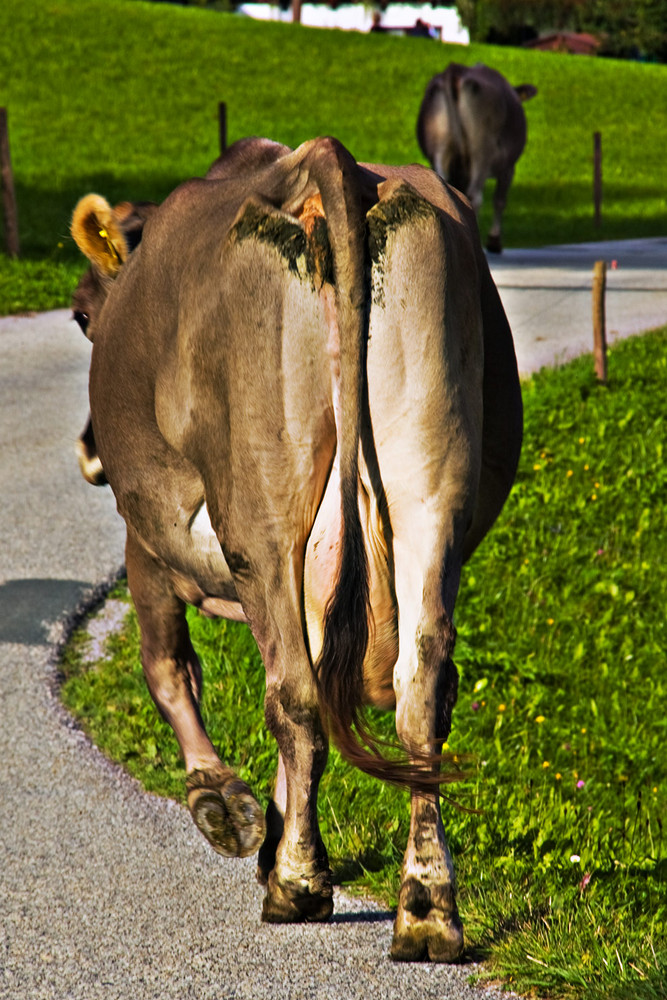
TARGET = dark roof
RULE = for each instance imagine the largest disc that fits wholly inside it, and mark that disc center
(566, 41)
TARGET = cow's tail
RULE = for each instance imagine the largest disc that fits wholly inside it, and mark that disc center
(449, 84)
(348, 616)
(339, 668)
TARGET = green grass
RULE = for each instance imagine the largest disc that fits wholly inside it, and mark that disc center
(561, 648)
(121, 96)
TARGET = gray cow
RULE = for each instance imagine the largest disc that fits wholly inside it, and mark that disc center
(305, 398)
(472, 126)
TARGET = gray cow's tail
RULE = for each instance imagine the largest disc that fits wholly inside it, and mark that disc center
(440, 132)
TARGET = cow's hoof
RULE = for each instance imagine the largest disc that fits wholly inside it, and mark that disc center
(427, 924)
(494, 244)
(298, 902)
(226, 812)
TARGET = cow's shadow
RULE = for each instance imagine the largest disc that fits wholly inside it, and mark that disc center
(348, 869)
(29, 607)
(364, 917)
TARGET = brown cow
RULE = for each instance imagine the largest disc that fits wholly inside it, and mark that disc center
(472, 126)
(306, 401)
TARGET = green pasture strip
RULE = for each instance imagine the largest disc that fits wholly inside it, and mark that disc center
(561, 654)
(121, 97)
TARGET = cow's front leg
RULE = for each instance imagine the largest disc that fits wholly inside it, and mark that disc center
(222, 806)
(427, 922)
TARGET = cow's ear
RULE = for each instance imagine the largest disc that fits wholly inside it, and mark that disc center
(525, 91)
(98, 234)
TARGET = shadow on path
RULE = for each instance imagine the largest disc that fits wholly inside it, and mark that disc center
(29, 607)
(363, 917)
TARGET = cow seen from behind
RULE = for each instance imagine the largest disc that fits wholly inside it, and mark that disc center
(304, 396)
(472, 126)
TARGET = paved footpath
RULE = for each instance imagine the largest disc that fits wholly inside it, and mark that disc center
(548, 299)
(105, 891)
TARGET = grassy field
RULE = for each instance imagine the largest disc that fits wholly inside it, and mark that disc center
(121, 96)
(561, 652)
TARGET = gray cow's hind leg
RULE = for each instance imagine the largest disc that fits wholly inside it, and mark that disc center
(222, 806)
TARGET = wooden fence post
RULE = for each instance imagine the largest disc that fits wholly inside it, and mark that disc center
(222, 119)
(296, 11)
(10, 214)
(599, 320)
(597, 178)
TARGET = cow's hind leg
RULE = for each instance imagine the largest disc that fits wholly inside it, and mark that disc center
(277, 376)
(429, 466)
(299, 887)
(222, 806)
(427, 921)
(293, 862)
(494, 242)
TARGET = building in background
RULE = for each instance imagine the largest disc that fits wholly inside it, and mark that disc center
(395, 17)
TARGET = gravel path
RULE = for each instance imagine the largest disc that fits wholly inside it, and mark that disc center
(105, 891)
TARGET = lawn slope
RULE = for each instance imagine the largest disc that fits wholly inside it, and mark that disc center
(121, 96)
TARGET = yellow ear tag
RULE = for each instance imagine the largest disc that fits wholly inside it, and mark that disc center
(112, 250)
